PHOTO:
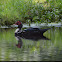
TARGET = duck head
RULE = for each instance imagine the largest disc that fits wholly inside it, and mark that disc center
(19, 24)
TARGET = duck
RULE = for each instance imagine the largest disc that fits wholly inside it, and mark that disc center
(29, 31)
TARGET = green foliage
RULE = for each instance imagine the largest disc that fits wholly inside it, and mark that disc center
(24, 10)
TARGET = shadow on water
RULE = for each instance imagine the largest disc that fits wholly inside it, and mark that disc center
(34, 38)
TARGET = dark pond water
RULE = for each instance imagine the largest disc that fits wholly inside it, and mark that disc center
(12, 49)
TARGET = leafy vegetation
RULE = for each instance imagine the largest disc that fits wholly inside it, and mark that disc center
(30, 10)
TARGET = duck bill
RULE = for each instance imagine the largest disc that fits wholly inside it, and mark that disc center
(15, 25)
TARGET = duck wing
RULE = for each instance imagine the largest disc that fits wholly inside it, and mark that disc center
(33, 32)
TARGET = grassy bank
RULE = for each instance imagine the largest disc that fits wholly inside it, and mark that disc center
(30, 10)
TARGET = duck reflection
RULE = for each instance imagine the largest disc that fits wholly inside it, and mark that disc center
(35, 38)
(19, 45)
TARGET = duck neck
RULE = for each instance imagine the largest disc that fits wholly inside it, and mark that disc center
(20, 26)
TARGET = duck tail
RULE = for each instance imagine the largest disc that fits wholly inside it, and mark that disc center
(44, 30)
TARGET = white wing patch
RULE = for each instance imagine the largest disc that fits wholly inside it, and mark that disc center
(18, 31)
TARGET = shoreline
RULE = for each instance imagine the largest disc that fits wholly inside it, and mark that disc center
(34, 25)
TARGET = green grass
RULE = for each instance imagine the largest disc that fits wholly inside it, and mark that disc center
(35, 10)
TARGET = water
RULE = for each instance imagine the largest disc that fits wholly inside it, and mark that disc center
(30, 50)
